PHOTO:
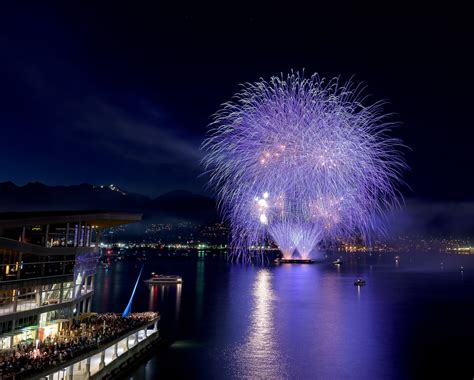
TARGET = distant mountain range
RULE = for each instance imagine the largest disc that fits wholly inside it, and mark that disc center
(172, 206)
(417, 217)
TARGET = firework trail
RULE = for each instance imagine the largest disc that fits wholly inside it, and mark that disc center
(298, 161)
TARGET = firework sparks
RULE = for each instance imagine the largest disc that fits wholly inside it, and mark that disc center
(300, 160)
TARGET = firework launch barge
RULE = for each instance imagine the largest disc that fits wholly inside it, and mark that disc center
(293, 261)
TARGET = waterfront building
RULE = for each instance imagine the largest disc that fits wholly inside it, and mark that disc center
(47, 267)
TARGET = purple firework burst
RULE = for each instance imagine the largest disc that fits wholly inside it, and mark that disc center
(301, 160)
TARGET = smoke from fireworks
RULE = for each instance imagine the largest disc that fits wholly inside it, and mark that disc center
(300, 160)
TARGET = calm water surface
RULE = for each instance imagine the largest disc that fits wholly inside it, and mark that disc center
(413, 319)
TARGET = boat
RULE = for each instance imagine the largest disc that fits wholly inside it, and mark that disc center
(164, 279)
(359, 282)
(337, 262)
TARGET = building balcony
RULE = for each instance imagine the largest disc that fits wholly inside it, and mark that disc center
(29, 307)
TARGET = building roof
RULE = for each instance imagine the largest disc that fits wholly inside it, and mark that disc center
(97, 218)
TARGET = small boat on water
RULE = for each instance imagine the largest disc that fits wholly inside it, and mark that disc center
(337, 262)
(164, 279)
(359, 282)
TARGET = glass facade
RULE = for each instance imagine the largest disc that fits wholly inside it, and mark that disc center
(38, 290)
(30, 266)
(47, 267)
(28, 298)
(74, 234)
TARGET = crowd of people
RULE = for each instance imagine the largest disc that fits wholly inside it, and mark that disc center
(82, 336)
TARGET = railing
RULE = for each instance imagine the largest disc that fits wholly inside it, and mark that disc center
(92, 362)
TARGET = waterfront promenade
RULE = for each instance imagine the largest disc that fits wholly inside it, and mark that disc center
(81, 351)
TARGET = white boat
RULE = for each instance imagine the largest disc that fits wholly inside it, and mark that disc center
(164, 279)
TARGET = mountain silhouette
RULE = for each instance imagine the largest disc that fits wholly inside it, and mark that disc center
(172, 206)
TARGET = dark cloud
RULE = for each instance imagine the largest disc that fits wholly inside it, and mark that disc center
(144, 136)
(74, 128)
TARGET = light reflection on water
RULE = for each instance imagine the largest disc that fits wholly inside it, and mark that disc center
(302, 321)
(165, 293)
(200, 283)
(260, 356)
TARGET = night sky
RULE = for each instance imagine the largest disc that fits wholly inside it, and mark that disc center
(103, 93)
